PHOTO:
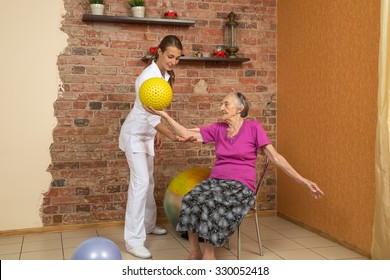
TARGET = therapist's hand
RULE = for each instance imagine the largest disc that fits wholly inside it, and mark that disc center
(158, 140)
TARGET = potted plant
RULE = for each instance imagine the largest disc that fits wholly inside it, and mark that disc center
(97, 7)
(137, 7)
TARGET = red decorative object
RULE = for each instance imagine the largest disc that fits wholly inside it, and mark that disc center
(219, 54)
(152, 50)
(170, 14)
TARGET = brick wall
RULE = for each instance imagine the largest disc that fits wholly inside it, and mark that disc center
(98, 70)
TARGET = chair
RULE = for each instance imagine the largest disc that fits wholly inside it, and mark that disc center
(253, 213)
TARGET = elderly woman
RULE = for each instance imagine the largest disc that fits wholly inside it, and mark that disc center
(215, 208)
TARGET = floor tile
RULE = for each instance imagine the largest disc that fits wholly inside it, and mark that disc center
(79, 233)
(10, 248)
(110, 230)
(75, 241)
(248, 224)
(68, 252)
(314, 242)
(281, 245)
(183, 241)
(359, 258)
(42, 237)
(42, 245)
(10, 257)
(171, 254)
(221, 253)
(336, 253)
(300, 254)
(245, 237)
(268, 255)
(295, 232)
(251, 247)
(11, 239)
(277, 223)
(159, 237)
(162, 244)
(116, 238)
(266, 234)
(43, 255)
(232, 257)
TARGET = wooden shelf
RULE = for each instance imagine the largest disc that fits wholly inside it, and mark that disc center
(206, 59)
(134, 20)
(160, 21)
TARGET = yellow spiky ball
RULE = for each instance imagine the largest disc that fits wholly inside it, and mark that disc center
(156, 93)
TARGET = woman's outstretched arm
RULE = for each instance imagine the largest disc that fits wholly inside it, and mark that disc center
(177, 127)
(283, 164)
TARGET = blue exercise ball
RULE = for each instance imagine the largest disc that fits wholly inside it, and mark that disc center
(97, 248)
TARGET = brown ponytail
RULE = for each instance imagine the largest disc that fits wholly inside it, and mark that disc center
(168, 41)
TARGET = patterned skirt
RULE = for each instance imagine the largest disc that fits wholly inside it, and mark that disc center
(214, 209)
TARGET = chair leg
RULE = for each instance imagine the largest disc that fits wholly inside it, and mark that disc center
(238, 243)
(258, 235)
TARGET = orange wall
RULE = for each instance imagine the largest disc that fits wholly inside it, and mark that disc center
(326, 113)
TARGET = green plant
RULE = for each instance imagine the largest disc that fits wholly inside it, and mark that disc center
(96, 2)
(136, 3)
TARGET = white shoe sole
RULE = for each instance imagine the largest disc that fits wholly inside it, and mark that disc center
(140, 252)
(158, 231)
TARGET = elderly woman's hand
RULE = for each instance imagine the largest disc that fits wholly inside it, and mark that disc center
(186, 139)
(314, 189)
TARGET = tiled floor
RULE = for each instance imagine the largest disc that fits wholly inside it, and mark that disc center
(281, 240)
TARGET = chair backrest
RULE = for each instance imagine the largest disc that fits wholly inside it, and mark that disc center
(262, 174)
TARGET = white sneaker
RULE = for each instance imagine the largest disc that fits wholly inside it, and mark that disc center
(140, 252)
(158, 231)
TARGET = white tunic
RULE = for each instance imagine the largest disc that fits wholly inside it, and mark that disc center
(139, 124)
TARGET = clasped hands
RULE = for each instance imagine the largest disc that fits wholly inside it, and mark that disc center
(164, 114)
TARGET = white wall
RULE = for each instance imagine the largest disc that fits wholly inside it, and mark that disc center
(31, 40)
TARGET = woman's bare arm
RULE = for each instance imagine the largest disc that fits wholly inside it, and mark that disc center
(283, 164)
(177, 127)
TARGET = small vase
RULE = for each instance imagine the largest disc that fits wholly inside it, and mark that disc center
(97, 9)
(138, 11)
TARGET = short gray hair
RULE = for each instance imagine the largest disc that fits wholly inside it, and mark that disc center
(241, 100)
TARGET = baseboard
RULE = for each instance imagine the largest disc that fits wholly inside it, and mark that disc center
(59, 228)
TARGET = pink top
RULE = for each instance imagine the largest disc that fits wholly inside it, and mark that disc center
(236, 156)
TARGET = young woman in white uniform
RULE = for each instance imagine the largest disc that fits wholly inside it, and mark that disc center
(139, 135)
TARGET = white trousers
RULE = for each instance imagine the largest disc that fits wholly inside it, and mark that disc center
(141, 211)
